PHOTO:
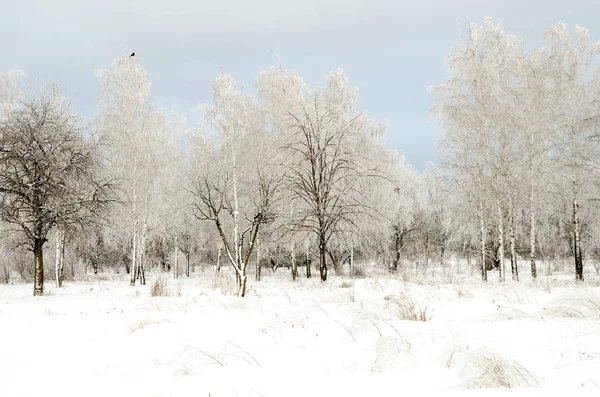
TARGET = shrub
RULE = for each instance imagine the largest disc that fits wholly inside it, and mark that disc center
(487, 369)
(405, 308)
(159, 287)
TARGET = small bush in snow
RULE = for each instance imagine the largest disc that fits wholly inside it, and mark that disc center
(405, 308)
(159, 287)
(585, 306)
(485, 368)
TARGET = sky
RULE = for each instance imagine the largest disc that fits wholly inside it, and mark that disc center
(391, 50)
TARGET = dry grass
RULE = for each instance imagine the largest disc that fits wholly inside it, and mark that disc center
(227, 283)
(462, 294)
(585, 305)
(159, 287)
(392, 354)
(485, 368)
(406, 308)
(141, 324)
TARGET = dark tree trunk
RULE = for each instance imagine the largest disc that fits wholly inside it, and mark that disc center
(578, 261)
(294, 269)
(577, 242)
(38, 267)
(442, 252)
(187, 264)
(142, 275)
(308, 275)
(513, 254)
(397, 243)
(322, 262)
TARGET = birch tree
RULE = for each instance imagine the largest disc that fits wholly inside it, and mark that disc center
(138, 141)
(476, 109)
(575, 113)
(234, 180)
(10, 94)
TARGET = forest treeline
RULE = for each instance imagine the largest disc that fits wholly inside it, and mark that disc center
(297, 175)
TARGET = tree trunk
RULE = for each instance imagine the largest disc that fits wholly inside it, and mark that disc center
(218, 267)
(61, 269)
(577, 241)
(397, 243)
(576, 224)
(187, 263)
(442, 251)
(243, 280)
(59, 257)
(513, 254)
(236, 227)
(176, 270)
(532, 224)
(38, 267)
(142, 249)
(482, 235)
(308, 275)
(257, 275)
(134, 265)
(322, 263)
(294, 264)
(500, 220)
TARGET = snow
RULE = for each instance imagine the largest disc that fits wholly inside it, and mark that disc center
(342, 338)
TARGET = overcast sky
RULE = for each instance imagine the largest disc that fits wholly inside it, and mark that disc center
(391, 50)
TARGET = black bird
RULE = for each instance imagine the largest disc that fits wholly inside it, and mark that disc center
(132, 54)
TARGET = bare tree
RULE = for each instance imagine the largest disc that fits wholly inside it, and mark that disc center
(233, 180)
(326, 146)
(47, 174)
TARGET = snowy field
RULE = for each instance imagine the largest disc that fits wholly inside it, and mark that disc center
(342, 338)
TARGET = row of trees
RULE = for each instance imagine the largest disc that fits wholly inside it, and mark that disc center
(520, 149)
(298, 174)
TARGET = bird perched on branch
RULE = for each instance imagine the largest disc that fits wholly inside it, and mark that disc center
(132, 54)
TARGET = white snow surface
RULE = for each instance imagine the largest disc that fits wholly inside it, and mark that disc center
(339, 338)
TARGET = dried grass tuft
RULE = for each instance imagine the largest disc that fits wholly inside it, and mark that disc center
(586, 306)
(487, 369)
(406, 308)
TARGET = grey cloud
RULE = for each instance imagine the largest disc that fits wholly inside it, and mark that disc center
(392, 50)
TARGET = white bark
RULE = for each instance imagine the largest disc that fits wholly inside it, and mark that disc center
(482, 236)
(500, 223)
(294, 265)
(176, 269)
(513, 253)
(59, 263)
(532, 223)
(258, 270)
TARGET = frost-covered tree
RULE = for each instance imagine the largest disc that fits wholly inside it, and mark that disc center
(234, 178)
(10, 94)
(139, 144)
(48, 173)
(326, 142)
(575, 114)
(477, 109)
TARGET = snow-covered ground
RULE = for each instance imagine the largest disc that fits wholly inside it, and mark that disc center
(341, 338)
